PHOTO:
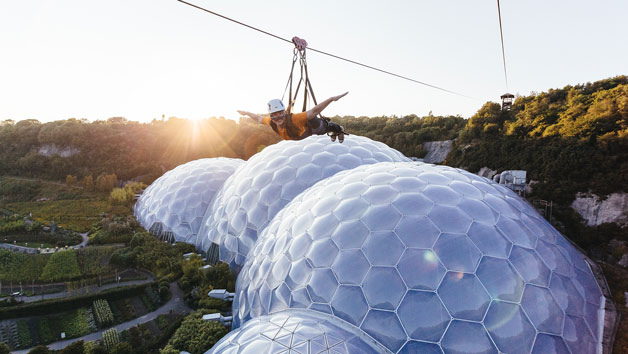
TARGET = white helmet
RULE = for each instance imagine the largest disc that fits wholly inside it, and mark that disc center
(275, 106)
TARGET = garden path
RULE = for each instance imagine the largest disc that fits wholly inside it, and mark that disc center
(174, 305)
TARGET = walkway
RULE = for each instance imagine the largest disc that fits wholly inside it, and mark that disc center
(175, 305)
(33, 250)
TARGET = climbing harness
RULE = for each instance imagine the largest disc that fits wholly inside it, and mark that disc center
(332, 129)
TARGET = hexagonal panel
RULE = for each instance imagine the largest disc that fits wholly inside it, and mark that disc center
(466, 189)
(350, 304)
(450, 219)
(516, 232)
(457, 252)
(381, 218)
(351, 266)
(500, 279)
(322, 285)
(542, 309)
(350, 234)
(385, 327)
(323, 253)
(383, 288)
(423, 315)
(442, 195)
(299, 247)
(478, 211)
(466, 337)
(464, 296)
(577, 336)
(546, 343)
(489, 240)
(383, 248)
(413, 347)
(349, 209)
(530, 266)
(554, 259)
(420, 269)
(412, 204)
(566, 295)
(510, 329)
(417, 231)
(380, 195)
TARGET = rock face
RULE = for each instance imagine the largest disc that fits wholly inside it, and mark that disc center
(437, 151)
(51, 150)
(613, 209)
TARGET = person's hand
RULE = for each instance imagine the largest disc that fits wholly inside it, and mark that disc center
(243, 113)
(336, 98)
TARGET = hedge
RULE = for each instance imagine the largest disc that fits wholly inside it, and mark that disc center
(65, 304)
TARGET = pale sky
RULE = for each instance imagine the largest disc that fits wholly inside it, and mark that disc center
(140, 59)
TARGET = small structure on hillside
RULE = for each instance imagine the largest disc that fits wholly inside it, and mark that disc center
(217, 317)
(507, 100)
(513, 179)
(221, 294)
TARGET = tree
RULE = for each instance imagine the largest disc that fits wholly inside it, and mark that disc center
(74, 348)
(40, 349)
(196, 335)
(88, 183)
(70, 180)
(106, 182)
(122, 348)
(61, 265)
(4, 349)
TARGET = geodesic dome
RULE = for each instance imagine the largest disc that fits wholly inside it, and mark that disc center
(272, 178)
(176, 202)
(297, 332)
(417, 255)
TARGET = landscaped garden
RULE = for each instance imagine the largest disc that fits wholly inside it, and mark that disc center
(39, 323)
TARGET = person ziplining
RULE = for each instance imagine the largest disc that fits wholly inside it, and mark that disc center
(297, 126)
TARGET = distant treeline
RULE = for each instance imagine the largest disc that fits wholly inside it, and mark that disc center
(132, 150)
(570, 140)
(125, 148)
(405, 134)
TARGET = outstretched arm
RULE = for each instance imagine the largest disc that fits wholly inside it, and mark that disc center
(312, 113)
(252, 115)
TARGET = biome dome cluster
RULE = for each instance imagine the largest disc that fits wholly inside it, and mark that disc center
(177, 201)
(410, 252)
(272, 178)
(396, 256)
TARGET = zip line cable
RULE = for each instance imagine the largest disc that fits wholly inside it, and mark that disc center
(499, 13)
(325, 53)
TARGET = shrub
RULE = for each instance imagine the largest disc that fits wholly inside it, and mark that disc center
(45, 333)
(61, 265)
(110, 338)
(104, 316)
(40, 349)
(122, 348)
(24, 333)
(196, 335)
(4, 349)
(77, 347)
